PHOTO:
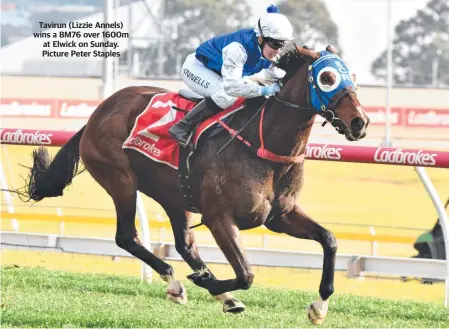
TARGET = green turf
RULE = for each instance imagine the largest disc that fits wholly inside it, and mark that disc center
(36, 297)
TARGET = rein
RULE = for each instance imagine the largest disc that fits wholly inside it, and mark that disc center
(260, 151)
(263, 153)
(328, 113)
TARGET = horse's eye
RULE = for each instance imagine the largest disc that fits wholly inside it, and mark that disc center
(328, 79)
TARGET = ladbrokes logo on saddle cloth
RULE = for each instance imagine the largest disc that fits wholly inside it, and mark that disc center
(150, 135)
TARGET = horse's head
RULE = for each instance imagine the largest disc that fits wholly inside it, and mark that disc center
(330, 89)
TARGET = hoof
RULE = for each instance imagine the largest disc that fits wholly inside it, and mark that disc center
(194, 276)
(233, 305)
(317, 312)
(200, 277)
(176, 292)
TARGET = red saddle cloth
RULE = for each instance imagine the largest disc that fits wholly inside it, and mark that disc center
(150, 135)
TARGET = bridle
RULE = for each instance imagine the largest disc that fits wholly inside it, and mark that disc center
(328, 113)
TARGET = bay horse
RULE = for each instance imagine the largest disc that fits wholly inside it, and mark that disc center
(234, 190)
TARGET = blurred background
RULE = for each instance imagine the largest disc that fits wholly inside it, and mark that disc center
(398, 49)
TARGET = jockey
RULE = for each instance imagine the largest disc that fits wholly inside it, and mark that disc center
(229, 66)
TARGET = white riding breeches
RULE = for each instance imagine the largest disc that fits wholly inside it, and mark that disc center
(205, 82)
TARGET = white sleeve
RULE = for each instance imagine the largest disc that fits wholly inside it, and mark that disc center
(234, 58)
(268, 76)
(274, 73)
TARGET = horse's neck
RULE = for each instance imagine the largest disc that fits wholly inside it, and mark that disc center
(286, 129)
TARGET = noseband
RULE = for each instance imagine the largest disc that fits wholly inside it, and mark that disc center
(328, 113)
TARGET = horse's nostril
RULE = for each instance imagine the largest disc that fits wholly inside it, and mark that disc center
(357, 124)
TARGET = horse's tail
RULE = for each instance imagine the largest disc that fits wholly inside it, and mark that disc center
(48, 177)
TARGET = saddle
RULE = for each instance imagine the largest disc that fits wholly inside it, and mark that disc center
(190, 95)
(186, 155)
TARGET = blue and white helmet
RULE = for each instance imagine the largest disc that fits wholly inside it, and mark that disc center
(274, 25)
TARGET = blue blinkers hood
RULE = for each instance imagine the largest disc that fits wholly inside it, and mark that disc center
(321, 94)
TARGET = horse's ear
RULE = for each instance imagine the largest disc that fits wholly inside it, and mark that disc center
(354, 78)
(330, 49)
(307, 52)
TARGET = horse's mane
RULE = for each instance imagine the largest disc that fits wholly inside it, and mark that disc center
(290, 62)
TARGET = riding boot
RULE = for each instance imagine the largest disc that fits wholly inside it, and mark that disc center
(203, 110)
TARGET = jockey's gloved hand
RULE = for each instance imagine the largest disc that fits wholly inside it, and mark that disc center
(270, 89)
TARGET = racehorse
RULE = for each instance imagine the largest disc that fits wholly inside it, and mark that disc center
(234, 190)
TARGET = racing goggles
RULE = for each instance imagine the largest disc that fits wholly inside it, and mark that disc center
(275, 44)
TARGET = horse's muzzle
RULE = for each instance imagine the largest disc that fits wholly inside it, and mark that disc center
(357, 129)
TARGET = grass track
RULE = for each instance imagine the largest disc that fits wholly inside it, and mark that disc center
(36, 297)
(306, 280)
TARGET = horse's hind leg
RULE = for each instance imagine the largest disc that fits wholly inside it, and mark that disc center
(117, 178)
(186, 246)
(184, 239)
(227, 237)
(296, 223)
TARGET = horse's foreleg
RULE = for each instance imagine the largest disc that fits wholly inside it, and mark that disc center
(296, 223)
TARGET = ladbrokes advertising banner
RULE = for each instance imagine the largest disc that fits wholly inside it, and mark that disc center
(27, 108)
(47, 108)
(82, 109)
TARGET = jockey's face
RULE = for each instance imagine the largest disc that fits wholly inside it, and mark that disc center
(272, 48)
(270, 53)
